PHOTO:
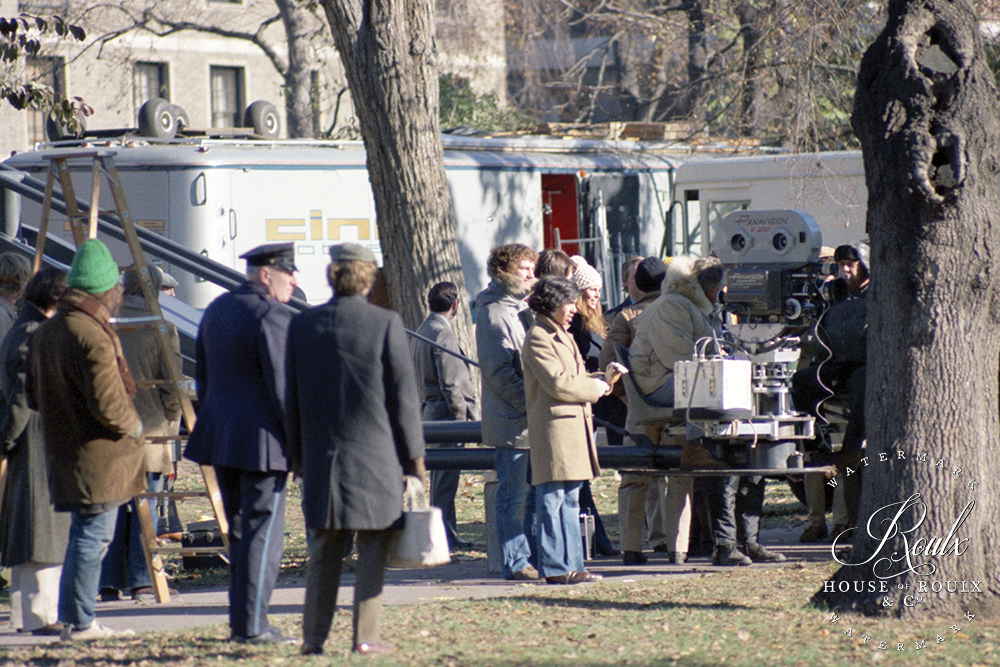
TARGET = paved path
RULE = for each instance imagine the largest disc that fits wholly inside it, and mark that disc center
(463, 579)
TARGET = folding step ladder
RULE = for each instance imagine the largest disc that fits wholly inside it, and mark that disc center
(103, 164)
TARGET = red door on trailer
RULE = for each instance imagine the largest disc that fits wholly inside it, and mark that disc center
(560, 210)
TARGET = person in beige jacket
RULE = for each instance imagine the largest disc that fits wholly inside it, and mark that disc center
(559, 393)
(124, 567)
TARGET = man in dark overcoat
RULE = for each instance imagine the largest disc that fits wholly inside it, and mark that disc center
(354, 429)
(446, 390)
(240, 373)
(33, 536)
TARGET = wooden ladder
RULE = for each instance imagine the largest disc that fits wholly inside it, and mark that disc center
(103, 164)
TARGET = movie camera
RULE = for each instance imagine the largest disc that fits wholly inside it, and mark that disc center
(777, 289)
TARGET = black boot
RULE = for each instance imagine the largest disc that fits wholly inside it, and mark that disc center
(727, 555)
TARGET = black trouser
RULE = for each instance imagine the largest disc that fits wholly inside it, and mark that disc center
(814, 384)
(255, 508)
(735, 504)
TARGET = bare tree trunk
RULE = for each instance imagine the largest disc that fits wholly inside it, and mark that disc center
(388, 54)
(298, 74)
(697, 66)
(926, 115)
(749, 14)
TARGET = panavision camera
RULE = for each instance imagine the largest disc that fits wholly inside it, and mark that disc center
(739, 396)
(772, 261)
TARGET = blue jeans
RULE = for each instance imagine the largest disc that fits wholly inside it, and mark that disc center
(89, 537)
(124, 566)
(557, 524)
(513, 499)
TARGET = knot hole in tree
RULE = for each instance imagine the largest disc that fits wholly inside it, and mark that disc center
(937, 61)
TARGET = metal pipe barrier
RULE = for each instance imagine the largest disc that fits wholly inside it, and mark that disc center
(637, 457)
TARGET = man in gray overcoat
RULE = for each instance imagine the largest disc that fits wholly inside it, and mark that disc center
(446, 390)
(353, 430)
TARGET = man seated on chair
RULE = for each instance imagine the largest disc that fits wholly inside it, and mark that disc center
(668, 330)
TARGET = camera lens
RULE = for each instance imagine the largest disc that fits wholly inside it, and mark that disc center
(738, 243)
(780, 241)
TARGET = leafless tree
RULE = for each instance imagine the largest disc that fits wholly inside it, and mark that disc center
(777, 71)
(288, 32)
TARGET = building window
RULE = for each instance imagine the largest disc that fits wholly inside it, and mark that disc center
(149, 80)
(52, 73)
(227, 96)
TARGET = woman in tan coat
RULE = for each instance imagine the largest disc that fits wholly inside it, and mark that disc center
(558, 393)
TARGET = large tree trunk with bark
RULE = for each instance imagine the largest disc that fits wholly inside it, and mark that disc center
(388, 53)
(926, 114)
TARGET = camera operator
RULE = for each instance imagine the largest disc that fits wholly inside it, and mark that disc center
(839, 347)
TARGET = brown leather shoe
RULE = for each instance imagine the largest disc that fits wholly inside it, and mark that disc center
(312, 649)
(529, 573)
(373, 649)
(574, 578)
(698, 457)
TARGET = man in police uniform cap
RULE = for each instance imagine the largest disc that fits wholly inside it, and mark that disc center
(240, 377)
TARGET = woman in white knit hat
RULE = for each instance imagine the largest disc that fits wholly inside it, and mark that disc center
(589, 329)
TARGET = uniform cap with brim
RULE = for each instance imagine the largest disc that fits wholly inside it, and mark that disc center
(93, 270)
(272, 254)
(351, 252)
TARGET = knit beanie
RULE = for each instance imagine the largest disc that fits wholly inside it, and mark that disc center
(649, 274)
(585, 275)
(93, 270)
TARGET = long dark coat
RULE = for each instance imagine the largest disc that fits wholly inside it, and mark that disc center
(353, 413)
(240, 376)
(30, 528)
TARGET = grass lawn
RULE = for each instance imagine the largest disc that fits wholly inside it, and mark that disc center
(728, 617)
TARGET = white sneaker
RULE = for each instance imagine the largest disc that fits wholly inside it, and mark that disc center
(94, 631)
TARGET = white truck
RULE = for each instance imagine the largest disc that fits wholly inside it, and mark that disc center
(221, 197)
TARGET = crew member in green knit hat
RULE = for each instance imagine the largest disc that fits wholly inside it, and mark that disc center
(80, 383)
(93, 270)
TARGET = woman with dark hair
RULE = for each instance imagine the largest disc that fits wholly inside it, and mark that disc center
(554, 263)
(33, 536)
(559, 392)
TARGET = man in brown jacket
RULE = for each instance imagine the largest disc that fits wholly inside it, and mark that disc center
(79, 382)
(645, 499)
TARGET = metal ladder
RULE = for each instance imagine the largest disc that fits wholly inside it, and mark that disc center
(103, 164)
